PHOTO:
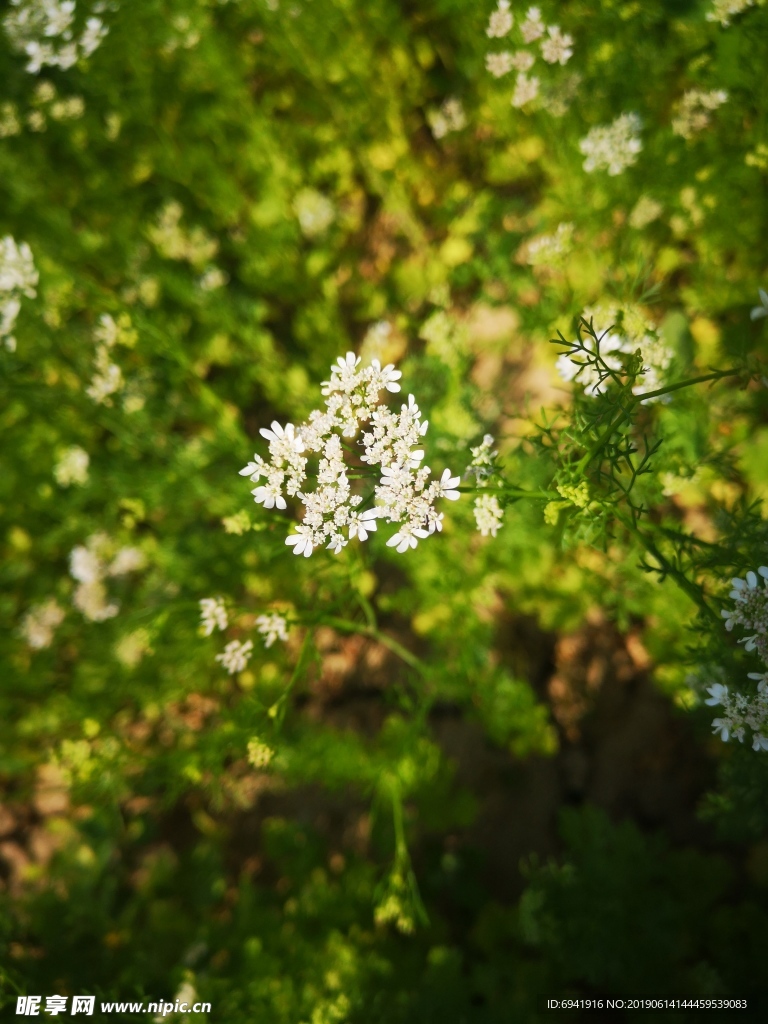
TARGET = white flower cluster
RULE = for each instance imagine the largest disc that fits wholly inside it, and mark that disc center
(72, 467)
(549, 250)
(612, 147)
(44, 30)
(723, 10)
(694, 109)
(741, 711)
(314, 212)
(556, 47)
(94, 562)
(751, 611)
(272, 627)
(213, 615)
(622, 331)
(40, 623)
(449, 118)
(18, 277)
(404, 494)
(235, 656)
(487, 510)
(108, 377)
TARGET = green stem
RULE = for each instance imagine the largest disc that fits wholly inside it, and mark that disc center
(356, 627)
(688, 586)
(636, 399)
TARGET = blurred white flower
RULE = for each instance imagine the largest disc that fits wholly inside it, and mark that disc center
(213, 614)
(613, 147)
(235, 656)
(40, 623)
(557, 48)
(272, 627)
(72, 467)
(500, 22)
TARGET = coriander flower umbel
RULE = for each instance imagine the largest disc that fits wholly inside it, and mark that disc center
(272, 627)
(741, 711)
(235, 656)
(213, 615)
(751, 611)
(612, 147)
(557, 48)
(500, 22)
(354, 425)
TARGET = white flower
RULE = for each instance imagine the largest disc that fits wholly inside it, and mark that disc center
(450, 118)
(314, 211)
(694, 109)
(751, 610)
(363, 523)
(500, 22)
(213, 615)
(612, 147)
(269, 496)
(301, 541)
(488, 514)
(272, 627)
(127, 560)
(558, 47)
(43, 31)
(526, 89)
(499, 64)
(40, 623)
(721, 726)
(522, 60)
(718, 694)
(447, 485)
(407, 537)
(235, 656)
(18, 277)
(72, 467)
(533, 27)
(724, 10)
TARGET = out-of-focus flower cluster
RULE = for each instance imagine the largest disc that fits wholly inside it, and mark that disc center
(108, 377)
(314, 212)
(449, 118)
(750, 612)
(41, 622)
(612, 147)
(18, 277)
(272, 627)
(72, 467)
(550, 250)
(487, 510)
(694, 110)
(213, 615)
(553, 46)
(404, 494)
(621, 332)
(93, 563)
(46, 32)
(237, 653)
(723, 10)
